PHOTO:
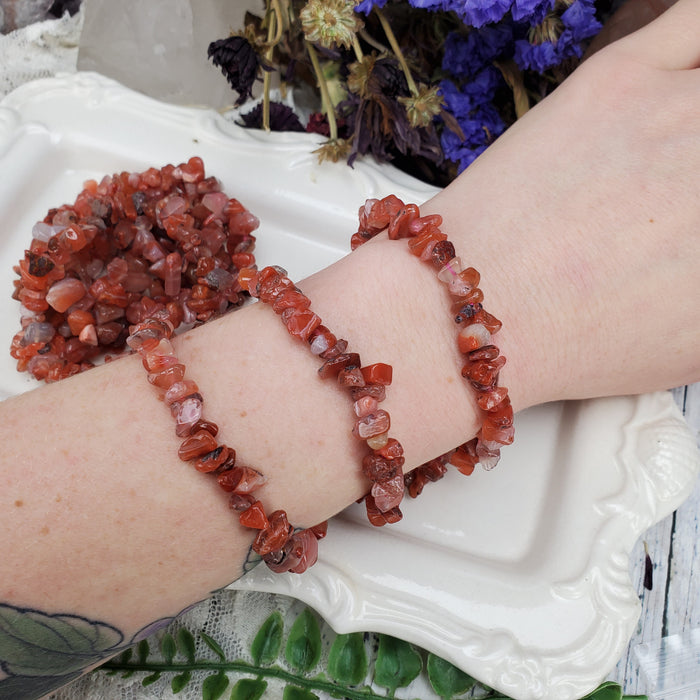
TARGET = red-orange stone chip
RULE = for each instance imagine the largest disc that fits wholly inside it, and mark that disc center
(254, 517)
(64, 293)
(380, 518)
(196, 445)
(378, 373)
(211, 461)
(388, 494)
(241, 480)
(275, 535)
(305, 550)
(371, 425)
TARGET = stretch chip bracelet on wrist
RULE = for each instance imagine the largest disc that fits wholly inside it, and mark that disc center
(476, 325)
(139, 254)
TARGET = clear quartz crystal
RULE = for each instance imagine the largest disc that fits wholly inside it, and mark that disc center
(15, 14)
(159, 47)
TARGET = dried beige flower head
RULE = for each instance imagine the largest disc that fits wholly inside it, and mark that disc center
(333, 150)
(330, 23)
(360, 72)
(421, 108)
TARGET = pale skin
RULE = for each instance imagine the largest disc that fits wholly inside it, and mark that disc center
(584, 221)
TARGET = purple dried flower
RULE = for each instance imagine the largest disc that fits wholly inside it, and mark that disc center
(282, 118)
(477, 13)
(238, 61)
(465, 56)
(480, 128)
(476, 116)
(366, 6)
(533, 11)
(580, 20)
(577, 24)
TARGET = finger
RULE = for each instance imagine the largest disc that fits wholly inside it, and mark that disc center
(672, 41)
(632, 15)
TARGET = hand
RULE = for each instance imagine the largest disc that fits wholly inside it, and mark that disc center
(584, 219)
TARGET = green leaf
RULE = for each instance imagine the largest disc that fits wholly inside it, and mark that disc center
(214, 686)
(303, 648)
(185, 643)
(606, 691)
(152, 678)
(142, 651)
(168, 648)
(347, 659)
(213, 645)
(180, 681)
(292, 692)
(268, 641)
(35, 644)
(447, 680)
(125, 656)
(397, 664)
(249, 689)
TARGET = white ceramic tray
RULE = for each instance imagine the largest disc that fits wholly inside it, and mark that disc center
(520, 575)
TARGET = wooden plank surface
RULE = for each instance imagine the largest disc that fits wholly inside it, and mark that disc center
(672, 606)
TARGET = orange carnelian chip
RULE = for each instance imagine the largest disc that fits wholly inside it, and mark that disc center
(254, 517)
(463, 461)
(199, 443)
(378, 373)
(399, 226)
(275, 535)
(379, 518)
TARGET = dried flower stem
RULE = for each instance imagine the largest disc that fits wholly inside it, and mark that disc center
(325, 95)
(271, 33)
(372, 41)
(357, 48)
(280, 23)
(397, 50)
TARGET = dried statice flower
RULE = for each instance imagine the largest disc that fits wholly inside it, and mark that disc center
(478, 119)
(330, 23)
(558, 37)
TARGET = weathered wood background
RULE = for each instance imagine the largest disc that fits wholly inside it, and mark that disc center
(672, 607)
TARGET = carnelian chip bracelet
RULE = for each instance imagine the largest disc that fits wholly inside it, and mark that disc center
(280, 546)
(365, 385)
(475, 338)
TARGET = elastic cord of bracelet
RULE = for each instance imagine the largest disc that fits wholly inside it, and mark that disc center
(281, 547)
(366, 387)
(475, 338)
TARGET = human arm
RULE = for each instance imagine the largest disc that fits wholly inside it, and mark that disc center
(137, 534)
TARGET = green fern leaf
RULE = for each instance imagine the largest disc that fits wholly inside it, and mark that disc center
(303, 648)
(180, 681)
(185, 643)
(292, 692)
(347, 659)
(213, 645)
(150, 679)
(606, 691)
(142, 651)
(249, 689)
(268, 641)
(446, 679)
(397, 664)
(168, 648)
(214, 686)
